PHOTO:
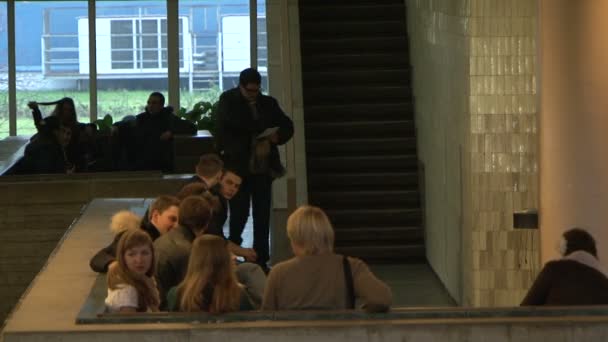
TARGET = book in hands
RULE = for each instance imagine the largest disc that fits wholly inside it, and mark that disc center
(267, 132)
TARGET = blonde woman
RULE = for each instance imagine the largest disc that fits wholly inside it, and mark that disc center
(131, 285)
(210, 284)
(318, 279)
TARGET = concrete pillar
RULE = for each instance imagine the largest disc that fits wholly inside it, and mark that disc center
(573, 121)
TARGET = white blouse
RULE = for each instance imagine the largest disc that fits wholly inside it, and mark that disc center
(124, 296)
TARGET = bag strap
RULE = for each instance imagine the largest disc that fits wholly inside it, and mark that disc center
(348, 280)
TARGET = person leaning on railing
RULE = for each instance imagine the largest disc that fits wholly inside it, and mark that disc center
(575, 279)
(317, 278)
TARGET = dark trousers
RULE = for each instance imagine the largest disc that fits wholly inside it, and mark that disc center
(255, 189)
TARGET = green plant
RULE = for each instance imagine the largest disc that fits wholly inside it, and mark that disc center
(105, 124)
(203, 115)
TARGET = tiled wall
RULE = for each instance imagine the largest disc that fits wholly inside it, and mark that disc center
(498, 160)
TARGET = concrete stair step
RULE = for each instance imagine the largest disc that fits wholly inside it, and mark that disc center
(353, 45)
(311, 13)
(362, 181)
(359, 112)
(360, 129)
(405, 253)
(365, 199)
(372, 77)
(356, 94)
(374, 217)
(350, 29)
(365, 59)
(351, 147)
(393, 163)
(348, 2)
(365, 236)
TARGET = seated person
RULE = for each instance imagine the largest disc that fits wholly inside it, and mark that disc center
(162, 218)
(210, 284)
(318, 279)
(575, 279)
(131, 285)
(153, 132)
(80, 150)
(46, 152)
(173, 248)
(219, 196)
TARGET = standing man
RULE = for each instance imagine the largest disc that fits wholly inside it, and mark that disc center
(249, 128)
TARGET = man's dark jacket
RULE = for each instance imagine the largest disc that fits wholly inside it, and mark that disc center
(172, 251)
(236, 127)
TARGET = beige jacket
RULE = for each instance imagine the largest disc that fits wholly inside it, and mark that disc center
(316, 282)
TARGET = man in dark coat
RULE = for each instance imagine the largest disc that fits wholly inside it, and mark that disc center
(153, 134)
(172, 250)
(249, 128)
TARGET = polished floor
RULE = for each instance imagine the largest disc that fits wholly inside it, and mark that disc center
(413, 285)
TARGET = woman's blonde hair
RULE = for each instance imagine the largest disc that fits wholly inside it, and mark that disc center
(210, 283)
(119, 274)
(309, 228)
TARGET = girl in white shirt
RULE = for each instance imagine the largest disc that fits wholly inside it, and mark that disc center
(131, 284)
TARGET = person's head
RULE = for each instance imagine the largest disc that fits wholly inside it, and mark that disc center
(210, 283)
(577, 239)
(230, 183)
(199, 189)
(135, 252)
(135, 266)
(156, 103)
(194, 214)
(164, 212)
(209, 168)
(310, 231)
(124, 220)
(65, 110)
(249, 83)
(51, 128)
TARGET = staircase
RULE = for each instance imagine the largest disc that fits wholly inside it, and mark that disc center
(360, 132)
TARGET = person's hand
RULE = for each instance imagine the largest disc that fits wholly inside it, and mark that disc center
(32, 105)
(274, 138)
(166, 136)
(249, 254)
(234, 259)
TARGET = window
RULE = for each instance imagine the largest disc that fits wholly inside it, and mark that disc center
(131, 42)
(48, 58)
(137, 44)
(220, 47)
(4, 123)
(131, 54)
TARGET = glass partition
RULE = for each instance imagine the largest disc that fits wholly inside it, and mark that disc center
(48, 58)
(131, 41)
(4, 123)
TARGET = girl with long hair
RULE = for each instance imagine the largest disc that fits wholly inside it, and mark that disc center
(210, 284)
(80, 147)
(131, 284)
